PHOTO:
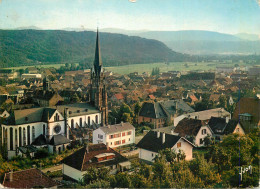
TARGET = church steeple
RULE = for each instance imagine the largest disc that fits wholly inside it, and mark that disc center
(97, 60)
(98, 94)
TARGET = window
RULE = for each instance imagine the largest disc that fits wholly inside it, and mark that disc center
(151, 120)
(24, 137)
(110, 143)
(15, 138)
(20, 136)
(88, 120)
(152, 154)
(33, 133)
(203, 131)
(111, 136)
(129, 139)
(11, 138)
(72, 124)
(178, 144)
(96, 118)
(56, 117)
(201, 141)
(123, 134)
(44, 129)
(117, 142)
(237, 130)
(129, 133)
(123, 141)
(28, 135)
(100, 136)
(80, 122)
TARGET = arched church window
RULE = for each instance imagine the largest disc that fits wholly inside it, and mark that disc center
(96, 118)
(72, 123)
(24, 137)
(80, 122)
(20, 136)
(43, 129)
(11, 139)
(88, 120)
(33, 133)
(28, 135)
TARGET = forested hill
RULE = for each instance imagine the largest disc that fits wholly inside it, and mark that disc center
(32, 47)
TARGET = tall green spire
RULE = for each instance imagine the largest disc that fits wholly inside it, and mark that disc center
(97, 60)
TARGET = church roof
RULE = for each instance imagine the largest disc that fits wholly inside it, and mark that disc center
(59, 139)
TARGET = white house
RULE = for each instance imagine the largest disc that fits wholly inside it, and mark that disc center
(115, 135)
(23, 127)
(97, 155)
(4, 114)
(155, 141)
(195, 130)
(224, 126)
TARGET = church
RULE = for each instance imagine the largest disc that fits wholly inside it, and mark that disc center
(28, 129)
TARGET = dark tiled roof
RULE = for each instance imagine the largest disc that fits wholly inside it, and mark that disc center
(217, 124)
(152, 110)
(81, 159)
(230, 127)
(117, 128)
(188, 127)
(28, 148)
(59, 139)
(170, 106)
(152, 143)
(40, 140)
(29, 178)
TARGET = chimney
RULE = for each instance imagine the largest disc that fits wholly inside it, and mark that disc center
(227, 119)
(158, 134)
(122, 123)
(163, 138)
(11, 175)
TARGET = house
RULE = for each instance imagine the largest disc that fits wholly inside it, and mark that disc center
(24, 126)
(47, 98)
(153, 113)
(115, 135)
(204, 115)
(247, 110)
(98, 155)
(119, 97)
(175, 108)
(4, 114)
(194, 130)
(155, 141)
(29, 178)
(224, 126)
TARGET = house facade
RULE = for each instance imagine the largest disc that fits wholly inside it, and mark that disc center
(98, 155)
(154, 141)
(115, 135)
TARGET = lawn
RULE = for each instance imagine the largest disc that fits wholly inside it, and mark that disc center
(140, 68)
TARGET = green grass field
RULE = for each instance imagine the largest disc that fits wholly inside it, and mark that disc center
(140, 68)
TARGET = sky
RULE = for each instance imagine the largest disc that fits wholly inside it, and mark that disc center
(226, 16)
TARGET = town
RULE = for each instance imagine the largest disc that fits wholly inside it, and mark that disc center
(77, 127)
(129, 94)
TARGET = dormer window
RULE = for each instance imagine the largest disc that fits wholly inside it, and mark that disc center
(78, 111)
(26, 118)
(105, 157)
(70, 112)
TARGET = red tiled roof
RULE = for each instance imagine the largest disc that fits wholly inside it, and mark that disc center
(29, 178)
(119, 96)
(152, 97)
(193, 98)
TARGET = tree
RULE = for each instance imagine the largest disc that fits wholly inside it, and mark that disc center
(93, 174)
(120, 180)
